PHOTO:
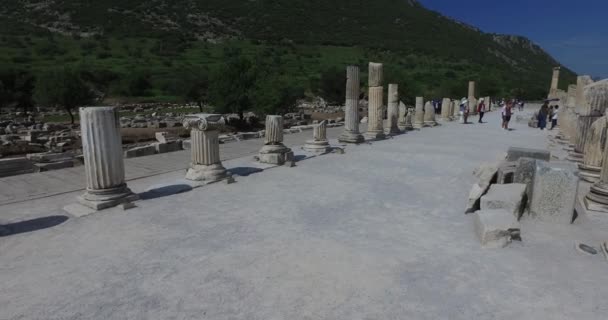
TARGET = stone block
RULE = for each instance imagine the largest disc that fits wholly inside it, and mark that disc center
(554, 192)
(168, 147)
(486, 175)
(506, 172)
(524, 173)
(140, 151)
(16, 166)
(48, 166)
(495, 228)
(511, 197)
(515, 153)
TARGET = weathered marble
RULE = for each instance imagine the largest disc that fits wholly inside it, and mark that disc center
(375, 122)
(409, 118)
(472, 99)
(402, 116)
(511, 197)
(582, 108)
(555, 188)
(419, 114)
(393, 110)
(319, 142)
(103, 159)
(583, 126)
(495, 228)
(555, 79)
(429, 115)
(446, 109)
(274, 151)
(594, 150)
(351, 132)
(205, 162)
(375, 75)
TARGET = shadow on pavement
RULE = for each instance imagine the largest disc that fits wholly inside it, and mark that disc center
(164, 191)
(244, 171)
(31, 225)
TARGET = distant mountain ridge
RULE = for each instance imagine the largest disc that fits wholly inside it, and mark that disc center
(395, 25)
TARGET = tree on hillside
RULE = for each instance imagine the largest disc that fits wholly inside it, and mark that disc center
(63, 87)
(196, 87)
(230, 88)
(332, 85)
(16, 90)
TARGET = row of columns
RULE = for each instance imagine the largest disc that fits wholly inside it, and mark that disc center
(102, 142)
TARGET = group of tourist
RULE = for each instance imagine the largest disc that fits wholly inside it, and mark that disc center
(547, 113)
(482, 108)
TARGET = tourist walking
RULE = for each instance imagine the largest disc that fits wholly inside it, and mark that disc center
(542, 116)
(464, 110)
(554, 118)
(481, 108)
(506, 114)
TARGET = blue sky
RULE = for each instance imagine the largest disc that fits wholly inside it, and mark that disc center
(574, 32)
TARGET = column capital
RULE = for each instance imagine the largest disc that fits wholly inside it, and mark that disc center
(204, 122)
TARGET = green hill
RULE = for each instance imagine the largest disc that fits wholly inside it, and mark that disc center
(160, 40)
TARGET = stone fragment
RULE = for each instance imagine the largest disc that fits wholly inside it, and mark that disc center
(496, 228)
(429, 115)
(524, 173)
(140, 151)
(16, 166)
(274, 151)
(170, 146)
(511, 197)
(514, 153)
(319, 143)
(486, 175)
(554, 192)
(506, 172)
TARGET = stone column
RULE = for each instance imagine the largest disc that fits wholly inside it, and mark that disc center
(594, 151)
(103, 159)
(446, 109)
(375, 123)
(319, 142)
(429, 115)
(597, 198)
(393, 110)
(455, 110)
(419, 115)
(351, 132)
(472, 99)
(409, 118)
(593, 101)
(274, 151)
(554, 79)
(488, 101)
(205, 162)
(402, 116)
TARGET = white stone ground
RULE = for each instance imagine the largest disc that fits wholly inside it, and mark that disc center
(376, 233)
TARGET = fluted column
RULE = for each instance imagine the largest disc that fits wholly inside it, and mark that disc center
(419, 115)
(375, 124)
(103, 158)
(554, 79)
(429, 115)
(319, 142)
(594, 151)
(445, 110)
(402, 117)
(591, 105)
(597, 198)
(393, 109)
(274, 151)
(472, 99)
(351, 132)
(205, 147)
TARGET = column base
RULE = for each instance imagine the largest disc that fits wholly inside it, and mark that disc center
(351, 137)
(207, 173)
(393, 131)
(276, 154)
(597, 198)
(107, 198)
(576, 157)
(418, 125)
(430, 124)
(317, 146)
(375, 135)
(589, 173)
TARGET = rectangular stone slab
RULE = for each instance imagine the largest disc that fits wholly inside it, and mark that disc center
(515, 153)
(554, 192)
(510, 197)
(494, 228)
(524, 173)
